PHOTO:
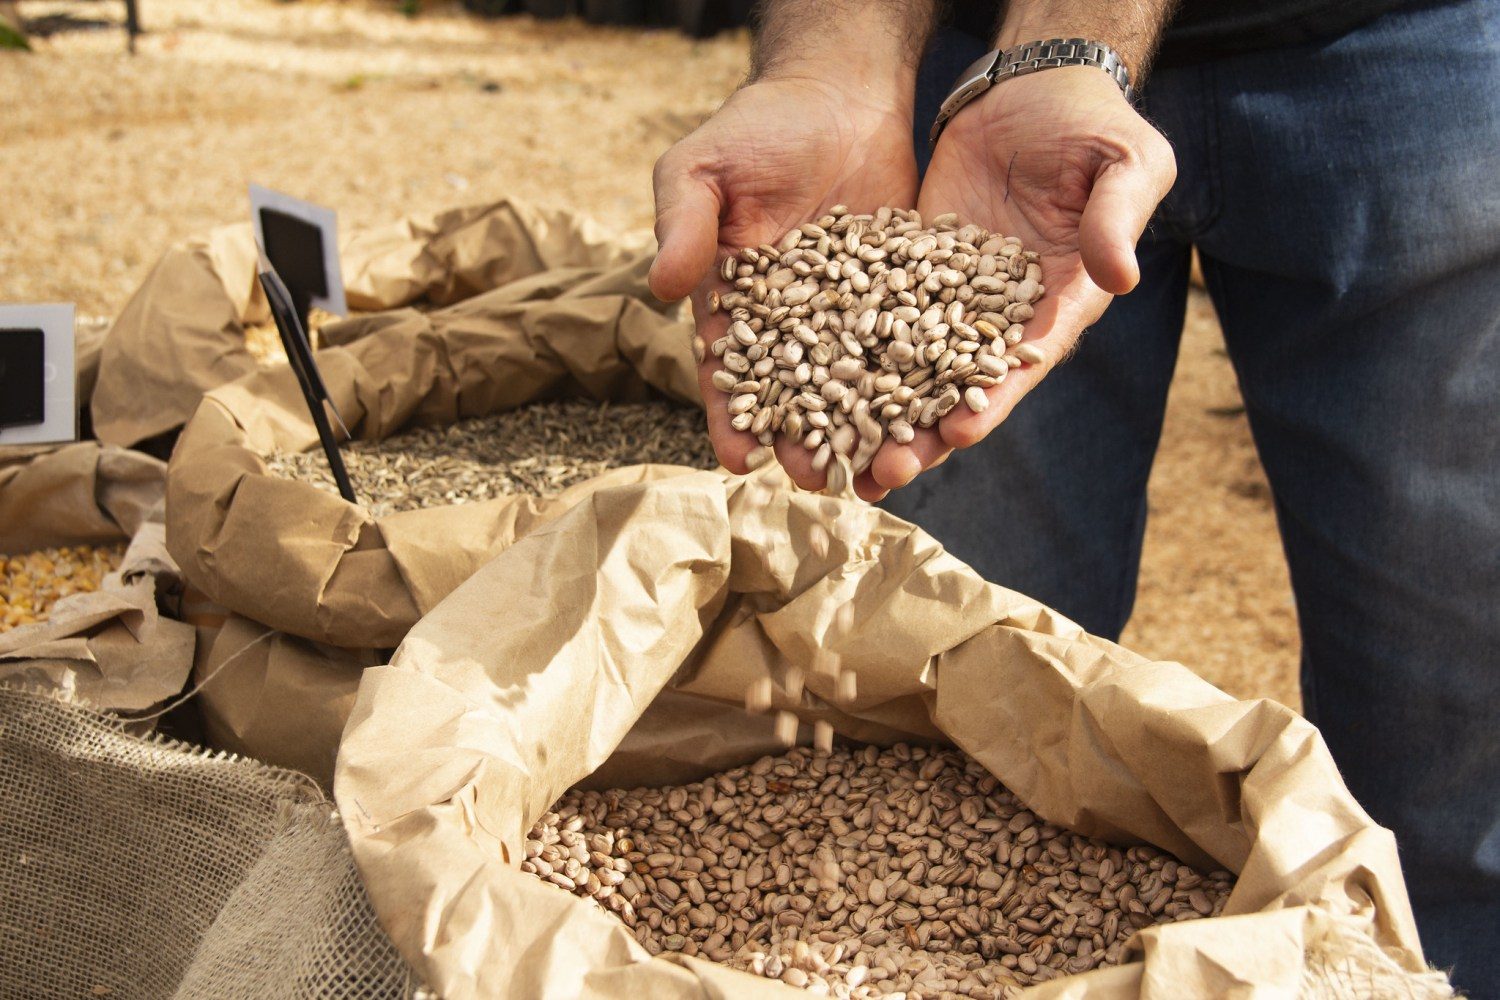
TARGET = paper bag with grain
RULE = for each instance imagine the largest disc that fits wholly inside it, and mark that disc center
(200, 319)
(111, 647)
(299, 560)
(614, 646)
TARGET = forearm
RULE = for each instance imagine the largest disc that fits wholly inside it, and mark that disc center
(874, 45)
(1132, 28)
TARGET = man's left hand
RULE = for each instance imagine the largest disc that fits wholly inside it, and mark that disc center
(1060, 159)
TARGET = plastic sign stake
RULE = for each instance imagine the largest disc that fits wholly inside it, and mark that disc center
(299, 355)
(301, 241)
(38, 383)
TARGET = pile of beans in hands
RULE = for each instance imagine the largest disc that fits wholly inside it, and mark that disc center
(855, 328)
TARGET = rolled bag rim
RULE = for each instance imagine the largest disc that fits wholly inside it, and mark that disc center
(108, 473)
(218, 488)
(215, 267)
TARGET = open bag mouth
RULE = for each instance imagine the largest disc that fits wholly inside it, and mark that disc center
(613, 647)
(202, 298)
(335, 572)
(83, 565)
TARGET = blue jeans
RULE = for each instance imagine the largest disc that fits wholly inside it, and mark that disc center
(1345, 200)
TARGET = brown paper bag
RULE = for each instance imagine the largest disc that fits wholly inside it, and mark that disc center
(590, 639)
(88, 344)
(282, 699)
(275, 697)
(303, 561)
(112, 648)
(446, 257)
(284, 555)
(77, 494)
(183, 332)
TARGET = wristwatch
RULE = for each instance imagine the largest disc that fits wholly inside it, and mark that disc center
(1019, 60)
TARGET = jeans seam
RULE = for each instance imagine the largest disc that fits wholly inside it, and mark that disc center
(1212, 143)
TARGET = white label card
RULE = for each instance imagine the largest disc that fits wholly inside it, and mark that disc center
(301, 241)
(37, 377)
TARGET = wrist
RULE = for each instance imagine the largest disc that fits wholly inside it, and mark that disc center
(868, 50)
(1073, 99)
(1133, 31)
(862, 92)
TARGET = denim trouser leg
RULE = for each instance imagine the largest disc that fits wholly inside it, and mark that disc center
(1356, 266)
(947, 55)
(1346, 199)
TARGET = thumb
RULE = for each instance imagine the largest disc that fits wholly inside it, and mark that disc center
(687, 230)
(1125, 194)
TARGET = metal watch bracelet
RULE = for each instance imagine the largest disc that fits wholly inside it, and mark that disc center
(1029, 57)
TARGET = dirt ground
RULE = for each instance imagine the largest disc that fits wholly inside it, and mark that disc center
(108, 159)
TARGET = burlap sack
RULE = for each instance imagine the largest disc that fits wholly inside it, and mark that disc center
(112, 648)
(287, 557)
(141, 869)
(183, 332)
(585, 645)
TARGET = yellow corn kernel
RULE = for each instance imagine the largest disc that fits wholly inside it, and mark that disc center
(30, 583)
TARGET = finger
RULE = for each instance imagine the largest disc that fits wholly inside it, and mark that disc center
(687, 229)
(964, 428)
(1124, 196)
(867, 489)
(798, 463)
(730, 446)
(896, 465)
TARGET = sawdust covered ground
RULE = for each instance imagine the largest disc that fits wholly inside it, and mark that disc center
(108, 159)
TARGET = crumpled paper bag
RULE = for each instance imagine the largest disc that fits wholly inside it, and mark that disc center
(591, 638)
(275, 697)
(448, 256)
(77, 494)
(338, 587)
(284, 699)
(183, 332)
(112, 648)
(303, 561)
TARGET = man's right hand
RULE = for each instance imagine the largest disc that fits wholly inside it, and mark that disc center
(780, 152)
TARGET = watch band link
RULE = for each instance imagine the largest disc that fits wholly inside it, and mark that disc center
(1030, 57)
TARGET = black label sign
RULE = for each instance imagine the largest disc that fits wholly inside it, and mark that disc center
(300, 241)
(295, 249)
(22, 398)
